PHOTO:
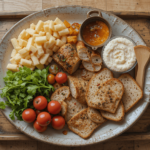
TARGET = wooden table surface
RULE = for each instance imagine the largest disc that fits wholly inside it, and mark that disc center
(136, 13)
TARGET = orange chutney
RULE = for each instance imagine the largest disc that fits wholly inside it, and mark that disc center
(95, 33)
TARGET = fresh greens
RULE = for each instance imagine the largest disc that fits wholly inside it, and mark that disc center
(21, 87)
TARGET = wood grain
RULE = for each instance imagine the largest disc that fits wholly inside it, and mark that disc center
(22, 5)
(132, 5)
(101, 4)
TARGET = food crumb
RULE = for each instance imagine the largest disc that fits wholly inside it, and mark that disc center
(65, 132)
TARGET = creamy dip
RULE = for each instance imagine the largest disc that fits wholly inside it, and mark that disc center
(119, 54)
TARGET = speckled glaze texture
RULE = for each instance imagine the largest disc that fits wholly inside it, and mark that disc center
(74, 14)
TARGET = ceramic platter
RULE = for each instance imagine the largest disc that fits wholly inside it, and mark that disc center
(74, 14)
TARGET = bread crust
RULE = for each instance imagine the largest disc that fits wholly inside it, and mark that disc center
(117, 119)
(126, 74)
(85, 124)
(58, 91)
(95, 115)
(93, 77)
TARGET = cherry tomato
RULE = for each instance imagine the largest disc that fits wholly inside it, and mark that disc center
(39, 128)
(40, 102)
(51, 79)
(37, 112)
(54, 69)
(54, 107)
(58, 122)
(61, 78)
(44, 118)
(28, 115)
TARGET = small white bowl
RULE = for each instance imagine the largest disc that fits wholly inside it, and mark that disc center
(104, 48)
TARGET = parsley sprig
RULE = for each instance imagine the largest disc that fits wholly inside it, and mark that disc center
(21, 88)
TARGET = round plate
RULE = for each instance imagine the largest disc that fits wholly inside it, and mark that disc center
(72, 14)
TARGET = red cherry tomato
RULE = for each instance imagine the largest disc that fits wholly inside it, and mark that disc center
(40, 102)
(58, 122)
(37, 112)
(61, 78)
(39, 128)
(44, 118)
(28, 115)
(54, 107)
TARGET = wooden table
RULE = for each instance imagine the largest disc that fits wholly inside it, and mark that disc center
(136, 13)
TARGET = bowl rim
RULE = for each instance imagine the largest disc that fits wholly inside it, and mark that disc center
(114, 37)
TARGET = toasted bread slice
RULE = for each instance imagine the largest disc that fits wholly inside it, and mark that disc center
(108, 96)
(61, 94)
(74, 107)
(82, 125)
(63, 109)
(96, 58)
(88, 66)
(132, 92)
(94, 84)
(95, 115)
(91, 67)
(86, 75)
(78, 88)
(117, 116)
(82, 51)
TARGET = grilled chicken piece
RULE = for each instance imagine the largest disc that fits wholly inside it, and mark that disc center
(67, 58)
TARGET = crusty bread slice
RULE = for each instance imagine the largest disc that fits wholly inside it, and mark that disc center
(108, 96)
(78, 88)
(132, 92)
(86, 75)
(82, 125)
(96, 58)
(88, 66)
(74, 107)
(117, 116)
(91, 67)
(61, 94)
(82, 51)
(94, 84)
(95, 115)
(63, 109)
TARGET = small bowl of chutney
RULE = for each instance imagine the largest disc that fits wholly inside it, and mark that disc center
(95, 31)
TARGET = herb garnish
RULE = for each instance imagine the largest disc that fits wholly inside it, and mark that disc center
(21, 88)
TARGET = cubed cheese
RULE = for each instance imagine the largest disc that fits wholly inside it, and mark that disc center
(17, 57)
(23, 52)
(55, 48)
(13, 53)
(15, 44)
(13, 61)
(40, 51)
(35, 60)
(30, 43)
(44, 58)
(32, 26)
(46, 28)
(30, 31)
(63, 32)
(39, 25)
(26, 62)
(33, 49)
(22, 43)
(41, 33)
(52, 41)
(40, 40)
(56, 35)
(12, 67)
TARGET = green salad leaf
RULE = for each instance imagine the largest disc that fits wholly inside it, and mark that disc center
(22, 87)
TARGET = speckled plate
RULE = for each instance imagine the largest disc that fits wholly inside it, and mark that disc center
(73, 14)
